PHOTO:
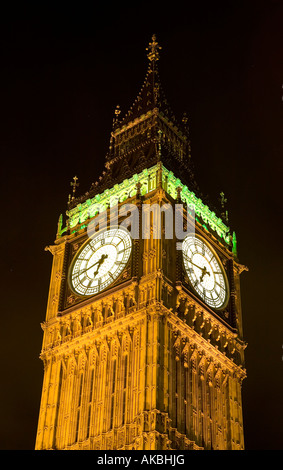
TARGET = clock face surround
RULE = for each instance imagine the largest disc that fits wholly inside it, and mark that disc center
(100, 261)
(205, 272)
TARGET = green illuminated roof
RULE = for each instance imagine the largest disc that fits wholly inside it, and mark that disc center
(148, 182)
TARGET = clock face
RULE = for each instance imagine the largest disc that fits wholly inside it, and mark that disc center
(100, 261)
(205, 272)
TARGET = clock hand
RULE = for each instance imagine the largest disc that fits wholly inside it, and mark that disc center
(97, 262)
(195, 264)
(204, 271)
(94, 274)
(84, 270)
(100, 262)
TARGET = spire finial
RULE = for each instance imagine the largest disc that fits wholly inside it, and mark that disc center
(75, 185)
(117, 112)
(153, 48)
(223, 201)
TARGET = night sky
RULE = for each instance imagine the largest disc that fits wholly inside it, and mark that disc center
(62, 74)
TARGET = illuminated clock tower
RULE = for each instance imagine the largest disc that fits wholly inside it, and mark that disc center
(143, 344)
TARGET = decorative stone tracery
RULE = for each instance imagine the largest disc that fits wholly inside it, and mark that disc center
(145, 364)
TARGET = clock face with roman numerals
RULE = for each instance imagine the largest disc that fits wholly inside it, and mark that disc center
(100, 261)
(205, 272)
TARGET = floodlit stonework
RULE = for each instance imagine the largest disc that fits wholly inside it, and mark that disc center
(146, 363)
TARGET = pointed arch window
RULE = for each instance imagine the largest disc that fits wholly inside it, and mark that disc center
(90, 399)
(79, 407)
(113, 388)
(125, 382)
(59, 404)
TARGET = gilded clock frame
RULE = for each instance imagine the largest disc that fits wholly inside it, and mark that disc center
(226, 281)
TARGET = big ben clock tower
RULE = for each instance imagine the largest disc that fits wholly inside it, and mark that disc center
(143, 344)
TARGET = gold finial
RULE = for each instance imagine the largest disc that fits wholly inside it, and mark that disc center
(153, 54)
(117, 111)
(75, 185)
(223, 200)
(185, 119)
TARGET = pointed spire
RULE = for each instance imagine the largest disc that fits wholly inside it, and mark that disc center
(138, 137)
(151, 94)
(234, 245)
(59, 226)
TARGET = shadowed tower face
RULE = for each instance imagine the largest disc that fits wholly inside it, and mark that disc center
(143, 344)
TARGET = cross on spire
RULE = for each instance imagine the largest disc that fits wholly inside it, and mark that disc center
(153, 48)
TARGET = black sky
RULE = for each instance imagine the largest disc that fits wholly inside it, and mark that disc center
(63, 71)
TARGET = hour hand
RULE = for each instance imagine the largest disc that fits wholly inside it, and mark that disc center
(100, 262)
(94, 264)
(204, 271)
(95, 273)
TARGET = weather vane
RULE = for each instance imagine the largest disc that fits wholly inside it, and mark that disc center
(153, 48)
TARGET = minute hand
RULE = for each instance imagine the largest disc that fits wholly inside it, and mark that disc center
(196, 265)
(84, 270)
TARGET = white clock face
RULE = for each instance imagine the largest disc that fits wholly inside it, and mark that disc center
(205, 272)
(100, 261)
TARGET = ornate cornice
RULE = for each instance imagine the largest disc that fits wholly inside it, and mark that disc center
(82, 213)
